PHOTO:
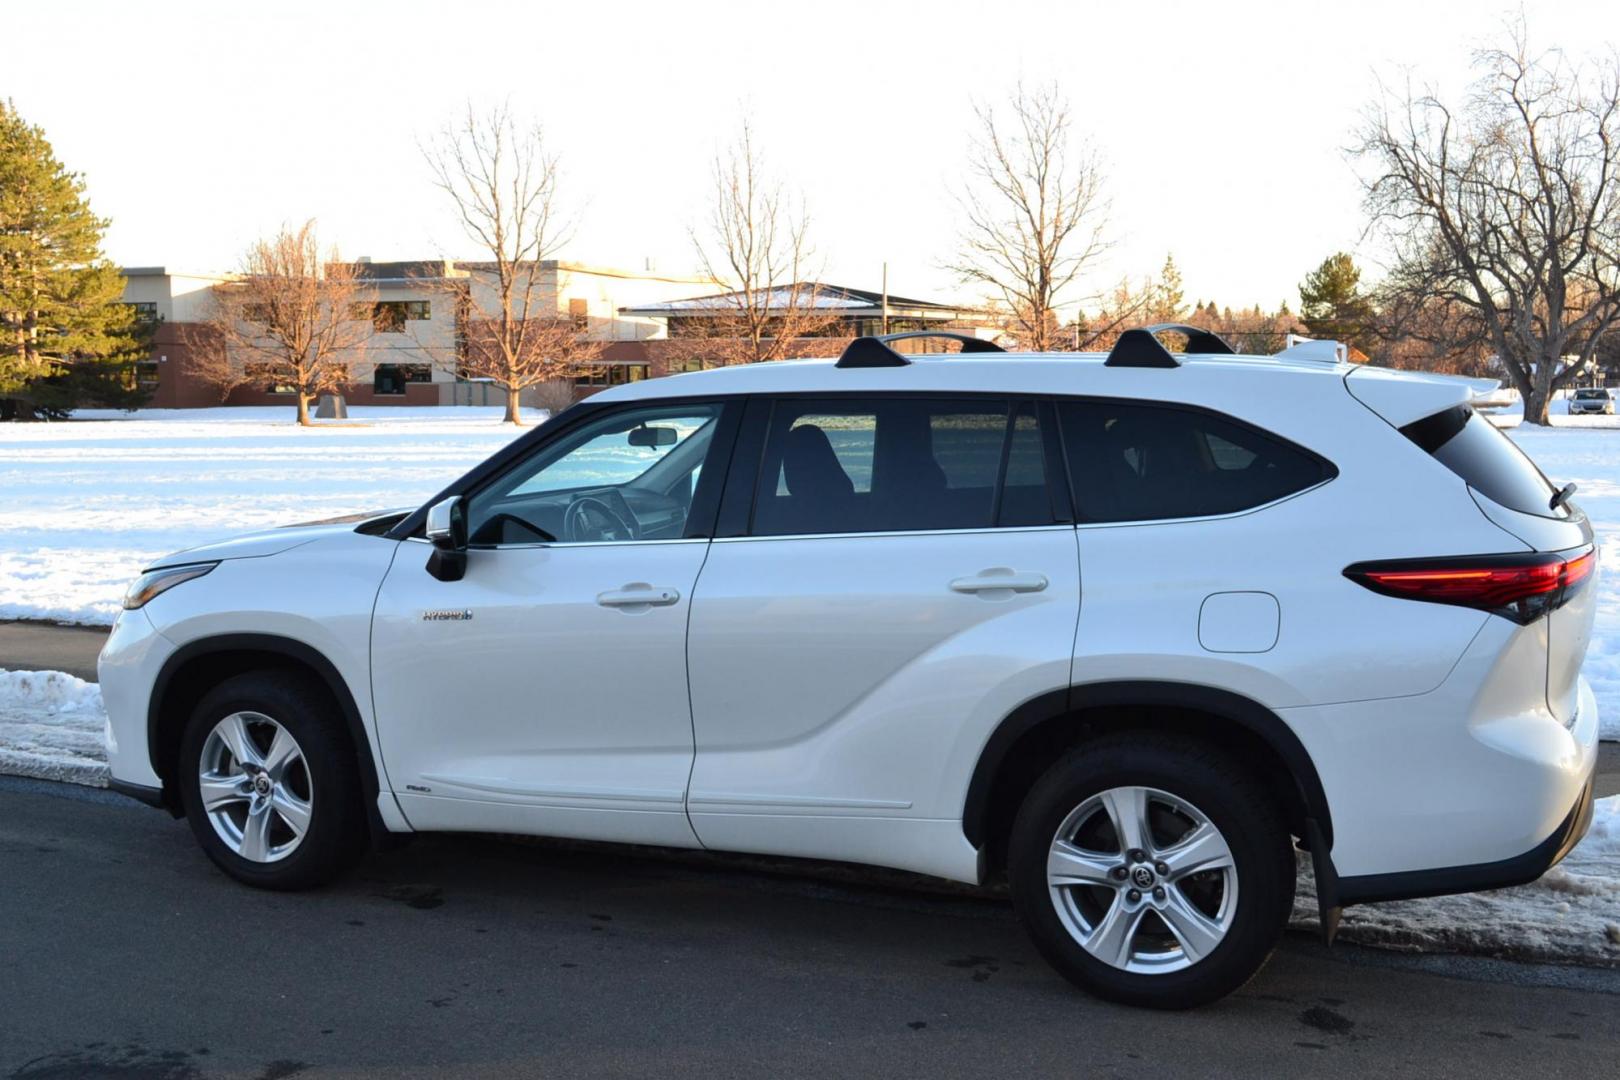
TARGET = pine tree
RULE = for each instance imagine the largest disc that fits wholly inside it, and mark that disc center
(1332, 303)
(65, 339)
(1171, 301)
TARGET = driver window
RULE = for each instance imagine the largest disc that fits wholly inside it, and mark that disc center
(629, 475)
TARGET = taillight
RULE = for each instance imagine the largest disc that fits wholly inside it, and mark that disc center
(1518, 587)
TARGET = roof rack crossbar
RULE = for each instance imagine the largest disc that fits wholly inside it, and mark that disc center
(874, 351)
(1141, 347)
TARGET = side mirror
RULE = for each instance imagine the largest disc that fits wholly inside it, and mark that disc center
(653, 436)
(447, 532)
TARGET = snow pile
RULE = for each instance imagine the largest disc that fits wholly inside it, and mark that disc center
(1572, 915)
(92, 502)
(52, 727)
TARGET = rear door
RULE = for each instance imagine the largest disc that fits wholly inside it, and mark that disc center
(898, 577)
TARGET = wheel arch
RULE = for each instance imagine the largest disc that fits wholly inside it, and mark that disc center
(199, 666)
(1028, 739)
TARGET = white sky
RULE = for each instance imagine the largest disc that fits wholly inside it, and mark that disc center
(199, 126)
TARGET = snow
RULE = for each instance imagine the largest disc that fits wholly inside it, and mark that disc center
(90, 502)
(1571, 915)
(52, 727)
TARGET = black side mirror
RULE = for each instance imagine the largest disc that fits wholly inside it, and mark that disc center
(447, 532)
(653, 436)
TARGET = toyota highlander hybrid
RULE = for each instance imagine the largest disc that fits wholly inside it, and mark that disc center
(1129, 630)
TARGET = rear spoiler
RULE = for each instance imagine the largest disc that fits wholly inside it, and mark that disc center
(1401, 397)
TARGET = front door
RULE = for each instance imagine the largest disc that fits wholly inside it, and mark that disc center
(546, 692)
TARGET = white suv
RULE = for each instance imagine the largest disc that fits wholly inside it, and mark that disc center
(1125, 628)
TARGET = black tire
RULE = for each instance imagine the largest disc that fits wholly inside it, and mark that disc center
(337, 831)
(1233, 801)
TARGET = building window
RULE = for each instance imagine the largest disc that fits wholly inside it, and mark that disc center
(390, 316)
(273, 381)
(580, 311)
(145, 310)
(391, 378)
(599, 375)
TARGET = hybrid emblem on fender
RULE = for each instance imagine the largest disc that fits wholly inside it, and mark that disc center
(447, 615)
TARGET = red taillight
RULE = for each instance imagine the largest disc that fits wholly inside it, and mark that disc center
(1519, 587)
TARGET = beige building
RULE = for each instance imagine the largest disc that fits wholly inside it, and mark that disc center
(419, 312)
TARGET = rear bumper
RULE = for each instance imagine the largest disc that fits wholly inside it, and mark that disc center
(1519, 870)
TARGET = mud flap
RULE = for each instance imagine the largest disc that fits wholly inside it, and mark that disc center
(1327, 882)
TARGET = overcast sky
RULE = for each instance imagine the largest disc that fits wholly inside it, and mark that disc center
(199, 126)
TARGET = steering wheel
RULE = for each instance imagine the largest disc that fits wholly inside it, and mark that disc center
(590, 518)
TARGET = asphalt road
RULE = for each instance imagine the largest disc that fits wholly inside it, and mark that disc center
(40, 646)
(124, 954)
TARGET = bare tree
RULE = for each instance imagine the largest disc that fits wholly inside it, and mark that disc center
(1507, 209)
(1034, 210)
(755, 243)
(295, 317)
(504, 184)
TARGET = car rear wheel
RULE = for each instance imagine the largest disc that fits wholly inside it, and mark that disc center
(270, 783)
(1151, 871)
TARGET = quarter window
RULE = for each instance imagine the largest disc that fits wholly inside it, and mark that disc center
(885, 465)
(1131, 462)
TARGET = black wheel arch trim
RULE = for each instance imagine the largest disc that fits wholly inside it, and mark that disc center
(288, 648)
(1243, 711)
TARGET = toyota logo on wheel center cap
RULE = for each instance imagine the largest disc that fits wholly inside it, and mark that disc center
(261, 784)
(1143, 878)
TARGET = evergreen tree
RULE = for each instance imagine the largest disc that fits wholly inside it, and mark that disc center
(65, 339)
(1171, 301)
(1332, 303)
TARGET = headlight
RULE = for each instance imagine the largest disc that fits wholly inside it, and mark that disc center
(154, 582)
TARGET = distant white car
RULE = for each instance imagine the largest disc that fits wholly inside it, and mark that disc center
(1591, 401)
(1126, 628)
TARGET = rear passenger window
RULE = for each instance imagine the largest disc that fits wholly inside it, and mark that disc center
(1487, 460)
(886, 465)
(1131, 462)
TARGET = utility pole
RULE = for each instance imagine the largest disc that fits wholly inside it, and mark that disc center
(885, 320)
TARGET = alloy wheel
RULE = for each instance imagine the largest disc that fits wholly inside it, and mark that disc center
(1142, 880)
(255, 787)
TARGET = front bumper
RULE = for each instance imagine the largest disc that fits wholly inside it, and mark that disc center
(127, 669)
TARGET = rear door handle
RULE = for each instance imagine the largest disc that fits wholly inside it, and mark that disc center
(999, 579)
(638, 596)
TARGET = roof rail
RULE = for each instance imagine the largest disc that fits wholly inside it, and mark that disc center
(1141, 347)
(875, 352)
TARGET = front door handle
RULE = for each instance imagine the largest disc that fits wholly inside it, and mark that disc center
(638, 596)
(999, 582)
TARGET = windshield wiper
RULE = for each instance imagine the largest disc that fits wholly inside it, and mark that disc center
(1563, 496)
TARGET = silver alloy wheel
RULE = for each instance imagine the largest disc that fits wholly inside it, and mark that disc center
(255, 787)
(1143, 880)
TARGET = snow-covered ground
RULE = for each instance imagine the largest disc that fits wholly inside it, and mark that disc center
(51, 727)
(89, 502)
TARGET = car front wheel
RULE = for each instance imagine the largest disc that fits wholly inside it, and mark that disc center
(1151, 871)
(270, 782)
